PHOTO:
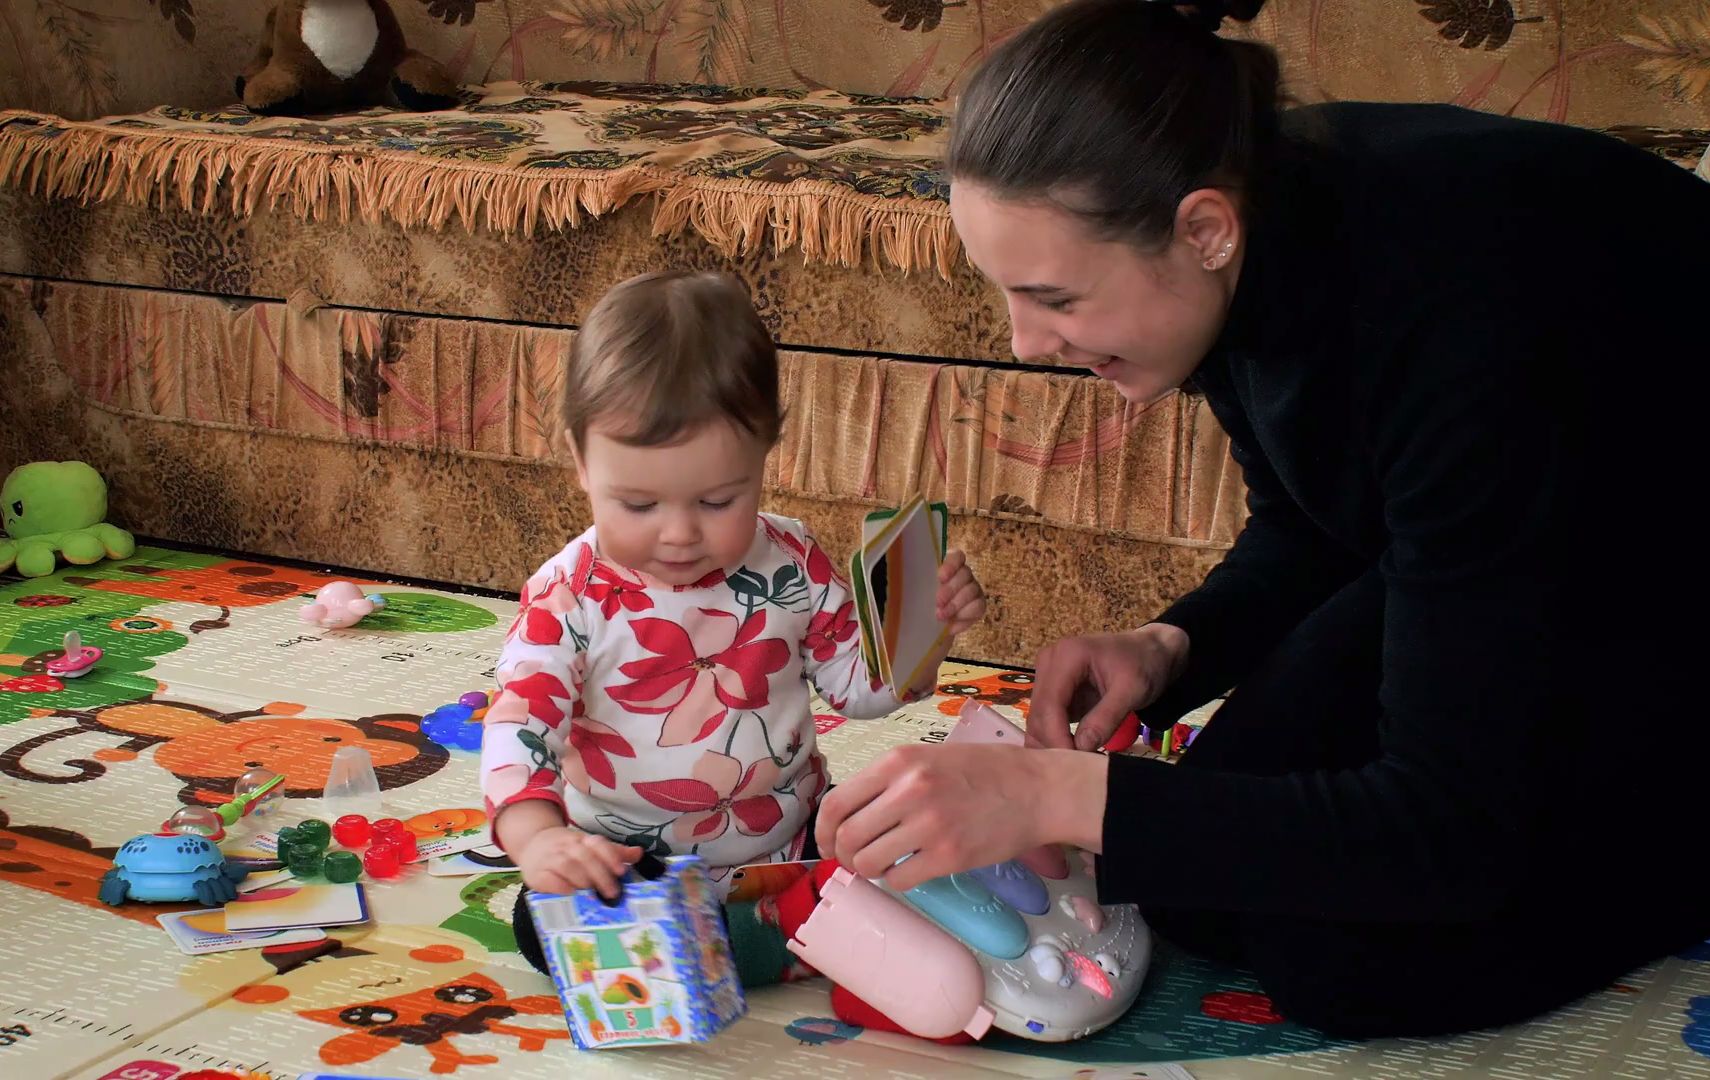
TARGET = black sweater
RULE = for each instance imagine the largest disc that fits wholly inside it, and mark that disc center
(1464, 353)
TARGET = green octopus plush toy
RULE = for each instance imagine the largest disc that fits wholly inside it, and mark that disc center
(54, 508)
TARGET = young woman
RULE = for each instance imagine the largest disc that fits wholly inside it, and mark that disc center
(1459, 360)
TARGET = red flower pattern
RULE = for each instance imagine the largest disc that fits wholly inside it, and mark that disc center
(810, 556)
(695, 669)
(829, 629)
(513, 783)
(597, 744)
(544, 604)
(539, 695)
(719, 790)
(819, 568)
(541, 627)
(813, 782)
(614, 592)
(700, 670)
(784, 540)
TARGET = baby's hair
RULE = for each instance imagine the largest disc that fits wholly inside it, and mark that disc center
(663, 354)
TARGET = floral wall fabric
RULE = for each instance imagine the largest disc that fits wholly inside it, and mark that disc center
(1592, 62)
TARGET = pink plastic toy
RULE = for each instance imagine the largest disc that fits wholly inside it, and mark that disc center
(928, 976)
(1023, 946)
(340, 604)
(77, 661)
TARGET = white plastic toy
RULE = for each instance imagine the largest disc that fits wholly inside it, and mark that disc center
(339, 604)
(1023, 946)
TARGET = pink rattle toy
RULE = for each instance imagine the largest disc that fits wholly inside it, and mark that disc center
(1023, 946)
(340, 604)
(77, 661)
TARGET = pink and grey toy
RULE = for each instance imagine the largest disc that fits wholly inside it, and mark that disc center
(1023, 946)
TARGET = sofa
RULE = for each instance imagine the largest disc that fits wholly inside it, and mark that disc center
(340, 339)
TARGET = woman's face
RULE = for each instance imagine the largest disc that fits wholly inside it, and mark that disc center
(1143, 321)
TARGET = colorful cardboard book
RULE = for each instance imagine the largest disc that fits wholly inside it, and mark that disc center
(894, 576)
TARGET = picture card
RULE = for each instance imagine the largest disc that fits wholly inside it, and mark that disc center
(200, 932)
(291, 907)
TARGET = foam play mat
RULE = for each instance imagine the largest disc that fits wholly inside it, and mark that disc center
(209, 672)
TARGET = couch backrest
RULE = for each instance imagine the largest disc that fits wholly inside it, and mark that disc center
(1590, 62)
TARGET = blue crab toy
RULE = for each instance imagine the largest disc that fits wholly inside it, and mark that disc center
(458, 725)
(164, 867)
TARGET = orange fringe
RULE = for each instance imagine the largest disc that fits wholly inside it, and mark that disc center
(207, 172)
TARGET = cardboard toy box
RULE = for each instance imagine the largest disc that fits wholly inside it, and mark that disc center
(653, 969)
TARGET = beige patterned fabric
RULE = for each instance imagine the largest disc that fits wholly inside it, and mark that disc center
(205, 436)
(836, 176)
(1063, 449)
(1597, 63)
(552, 277)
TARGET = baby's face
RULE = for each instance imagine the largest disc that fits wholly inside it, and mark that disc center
(676, 513)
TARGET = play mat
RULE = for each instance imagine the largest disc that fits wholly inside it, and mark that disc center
(209, 671)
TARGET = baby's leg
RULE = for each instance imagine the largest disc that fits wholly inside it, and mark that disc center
(528, 938)
(759, 929)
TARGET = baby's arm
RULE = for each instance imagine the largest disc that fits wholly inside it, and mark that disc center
(528, 727)
(832, 655)
(559, 858)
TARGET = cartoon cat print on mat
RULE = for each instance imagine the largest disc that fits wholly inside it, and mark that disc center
(61, 863)
(233, 584)
(1011, 688)
(288, 958)
(469, 1005)
(209, 750)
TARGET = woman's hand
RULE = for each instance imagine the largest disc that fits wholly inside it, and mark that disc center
(1101, 679)
(953, 808)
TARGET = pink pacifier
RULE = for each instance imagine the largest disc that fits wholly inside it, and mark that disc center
(77, 661)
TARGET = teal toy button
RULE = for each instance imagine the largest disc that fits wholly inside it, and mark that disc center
(966, 908)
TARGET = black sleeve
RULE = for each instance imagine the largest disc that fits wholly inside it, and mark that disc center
(1472, 457)
(1281, 567)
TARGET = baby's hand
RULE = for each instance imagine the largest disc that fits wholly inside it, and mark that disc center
(566, 859)
(961, 601)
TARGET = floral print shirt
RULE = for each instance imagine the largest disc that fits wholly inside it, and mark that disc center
(677, 718)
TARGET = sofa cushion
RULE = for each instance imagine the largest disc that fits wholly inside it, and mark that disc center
(525, 203)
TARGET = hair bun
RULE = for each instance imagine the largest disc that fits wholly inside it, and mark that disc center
(1209, 14)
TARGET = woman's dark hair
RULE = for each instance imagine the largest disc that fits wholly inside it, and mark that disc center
(1116, 110)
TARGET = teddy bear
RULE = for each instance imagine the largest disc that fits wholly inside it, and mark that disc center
(328, 56)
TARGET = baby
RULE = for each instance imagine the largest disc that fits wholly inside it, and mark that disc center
(654, 686)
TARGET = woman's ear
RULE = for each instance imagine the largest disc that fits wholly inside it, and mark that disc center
(1209, 222)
